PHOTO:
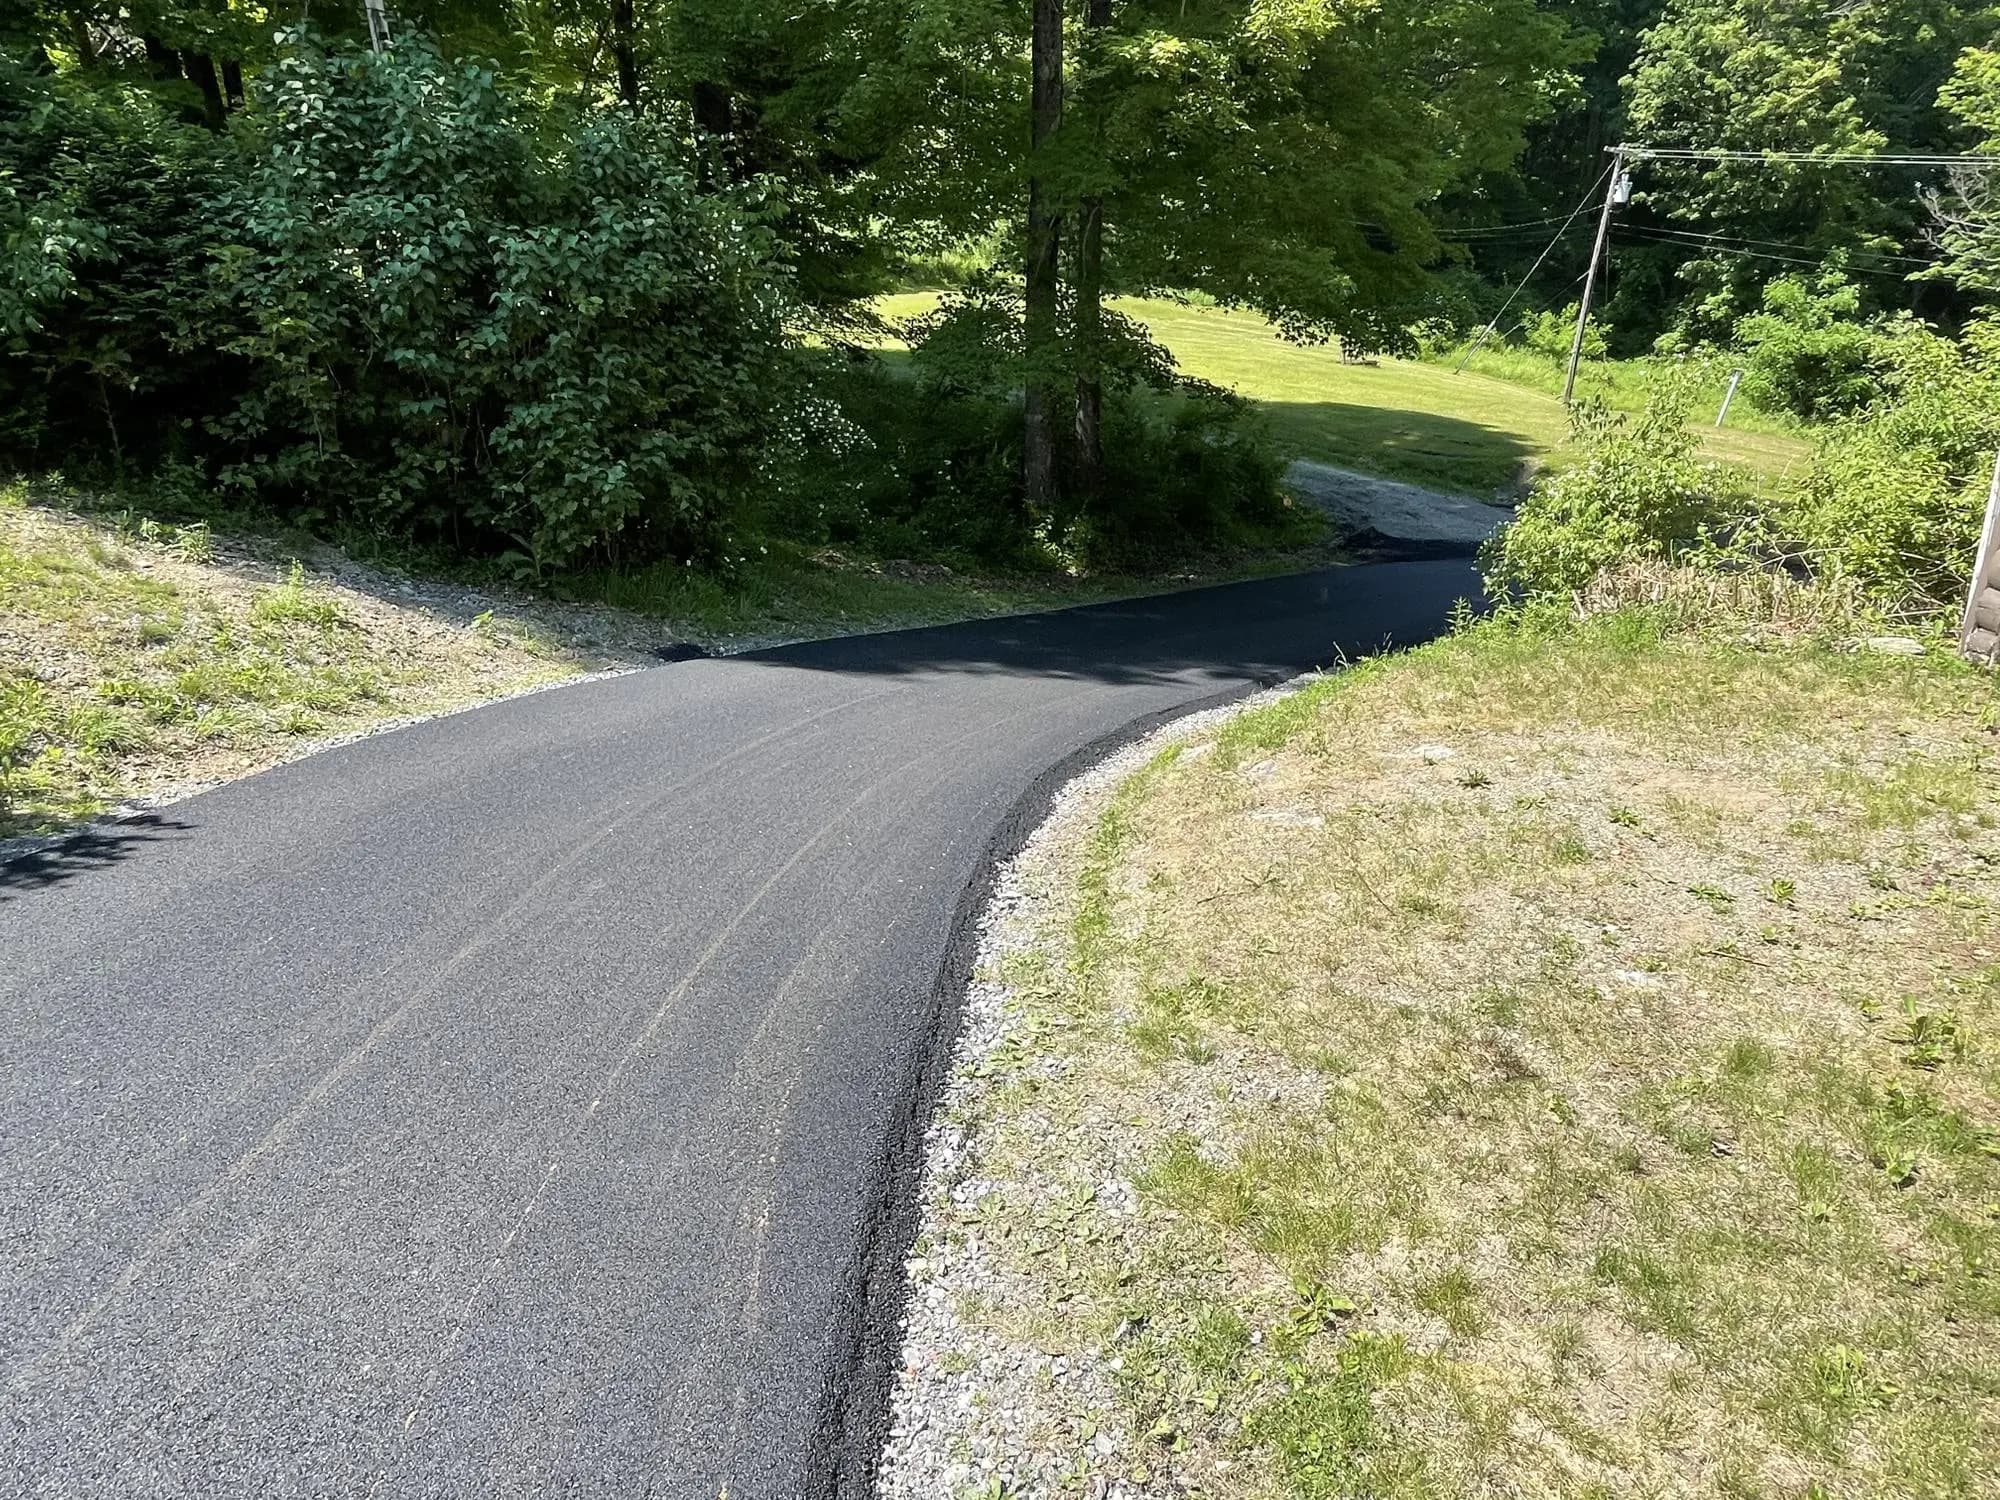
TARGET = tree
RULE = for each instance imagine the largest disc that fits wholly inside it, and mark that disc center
(1968, 214)
(1288, 157)
(888, 121)
(1792, 75)
(1043, 284)
(1090, 296)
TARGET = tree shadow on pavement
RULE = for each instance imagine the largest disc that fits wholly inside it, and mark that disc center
(66, 856)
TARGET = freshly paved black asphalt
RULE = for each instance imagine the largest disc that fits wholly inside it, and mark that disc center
(515, 1104)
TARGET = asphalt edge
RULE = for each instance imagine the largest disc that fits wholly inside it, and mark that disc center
(853, 1416)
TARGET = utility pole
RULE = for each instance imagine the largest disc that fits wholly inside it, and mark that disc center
(1617, 189)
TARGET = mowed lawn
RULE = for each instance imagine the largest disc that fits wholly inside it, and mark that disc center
(1539, 1064)
(1470, 433)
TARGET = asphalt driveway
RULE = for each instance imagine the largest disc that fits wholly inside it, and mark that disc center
(520, 1103)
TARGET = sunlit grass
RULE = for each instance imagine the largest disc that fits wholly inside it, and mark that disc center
(130, 661)
(1549, 1063)
(1478, 432)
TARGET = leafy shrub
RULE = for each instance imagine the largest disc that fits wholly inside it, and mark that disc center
(1203, 474)
(1640, 492)
(903, 468)
(1550, 334)
(919, 455)
(1808, 352)
(1897, 492)
(104, 236)
(473, 323)
(1184, 463)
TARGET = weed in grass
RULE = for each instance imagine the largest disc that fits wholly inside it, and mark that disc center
(1713, 896)
(1781, 891)
(1173, 1019)
(1567, 847)
(1322, 1429)
(1747, 1058)
(1452, 1297)
(1932, 1038)
(293, 602)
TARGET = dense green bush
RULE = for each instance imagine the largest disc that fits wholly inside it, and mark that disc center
(471, 322)
(919, 454)
(105, 233)
(1550, 334)
(1641, 491)
(394, 297)
(895, 466)
(1896, 492)
(1186, 465)
(1808, 351)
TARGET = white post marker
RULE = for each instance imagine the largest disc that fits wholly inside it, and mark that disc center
(1979, 626)
(1735, 379)
(378, 25)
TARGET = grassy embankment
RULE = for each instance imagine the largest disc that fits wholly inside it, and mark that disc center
(1475, 433)
(1556, 1065)
(137, 658)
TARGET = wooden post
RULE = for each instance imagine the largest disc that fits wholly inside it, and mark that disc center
(1979, 625)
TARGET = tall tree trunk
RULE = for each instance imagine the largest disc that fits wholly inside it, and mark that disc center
(1090, 320)
(232, 83)
(711, 108)
(623, 49)
(201, 73)
(712, 123)
(165, 62)
(1044, 272)
(79, 30)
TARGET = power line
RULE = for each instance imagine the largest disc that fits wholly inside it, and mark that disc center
(1630, 231)
(1738, 239)
(1524, 224)
(1809, 158)
(1582, 204)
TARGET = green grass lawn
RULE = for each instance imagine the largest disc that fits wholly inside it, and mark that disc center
(1474, 433)
(1543, 1064)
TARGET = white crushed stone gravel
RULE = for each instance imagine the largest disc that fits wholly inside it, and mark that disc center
(967, 1411)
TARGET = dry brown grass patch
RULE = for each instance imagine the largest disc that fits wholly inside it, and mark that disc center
(1548, 1065)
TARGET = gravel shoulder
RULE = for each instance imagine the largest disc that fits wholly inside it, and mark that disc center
(973, 1410)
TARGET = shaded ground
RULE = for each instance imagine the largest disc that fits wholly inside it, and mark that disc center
(1383, 515)
(1474, 434)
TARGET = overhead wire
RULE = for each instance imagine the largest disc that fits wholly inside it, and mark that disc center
(1738, 239)
(1630, 232)
(1809, 158)
(1521, 226)
(1583, 203)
